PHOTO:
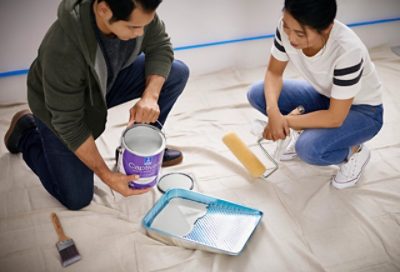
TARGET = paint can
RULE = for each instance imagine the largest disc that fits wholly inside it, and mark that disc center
(175, 180)
(141, 153)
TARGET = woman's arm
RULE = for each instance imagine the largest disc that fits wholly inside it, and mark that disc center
(278, 127)
(330, 118)
(273, 83)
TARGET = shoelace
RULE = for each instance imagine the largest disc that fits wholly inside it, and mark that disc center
(347, 169)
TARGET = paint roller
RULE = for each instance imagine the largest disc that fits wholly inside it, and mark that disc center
(248, 159)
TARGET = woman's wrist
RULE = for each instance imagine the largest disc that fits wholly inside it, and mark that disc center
(272, 109)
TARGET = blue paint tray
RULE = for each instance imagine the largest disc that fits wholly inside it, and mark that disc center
(193, 220)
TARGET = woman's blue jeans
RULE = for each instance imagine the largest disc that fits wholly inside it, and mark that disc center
(322, 146)
(63, 174)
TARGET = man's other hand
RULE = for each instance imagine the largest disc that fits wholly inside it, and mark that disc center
(146, 110)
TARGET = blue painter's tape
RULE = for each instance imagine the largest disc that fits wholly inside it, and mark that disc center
(374, 22)
(14, 73)
(202, 45)
(268, 36)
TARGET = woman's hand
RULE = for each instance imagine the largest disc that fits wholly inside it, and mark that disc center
(278, 125)
(277, 128)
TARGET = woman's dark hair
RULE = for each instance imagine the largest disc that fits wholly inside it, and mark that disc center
(317, 14)
(122, 9)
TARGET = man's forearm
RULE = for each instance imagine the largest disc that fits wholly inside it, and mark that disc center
(154, 85)
(90, 156)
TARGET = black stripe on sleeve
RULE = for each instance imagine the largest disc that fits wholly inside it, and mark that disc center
(348, 70)
(278, 34)
(349, 82)
(280, 47)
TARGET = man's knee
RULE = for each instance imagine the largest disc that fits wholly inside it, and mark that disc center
(179, 72)
(77, 201)
(76, 205)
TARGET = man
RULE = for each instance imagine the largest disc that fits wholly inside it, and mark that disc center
(90, 60)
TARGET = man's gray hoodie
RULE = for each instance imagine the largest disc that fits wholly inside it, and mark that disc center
(67, 81)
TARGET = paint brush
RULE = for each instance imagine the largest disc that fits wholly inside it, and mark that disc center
(66, 247)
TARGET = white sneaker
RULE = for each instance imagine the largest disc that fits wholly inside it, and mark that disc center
(350, 171)
(290, 151)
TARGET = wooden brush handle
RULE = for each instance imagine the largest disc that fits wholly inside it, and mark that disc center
(58, 227)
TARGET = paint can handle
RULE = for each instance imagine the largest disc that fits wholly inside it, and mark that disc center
(157, 122)
(161, 125)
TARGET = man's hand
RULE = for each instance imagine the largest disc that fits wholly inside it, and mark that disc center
(90, 156)
(146, 110)
(120, 183)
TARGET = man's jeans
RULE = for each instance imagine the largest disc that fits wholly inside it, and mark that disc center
(63, 174)
(322, 146)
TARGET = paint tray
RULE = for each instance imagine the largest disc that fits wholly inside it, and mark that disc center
(193, 220)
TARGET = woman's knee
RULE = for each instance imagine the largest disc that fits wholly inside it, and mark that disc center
(256, 97)
(250, 97)
(309, 152)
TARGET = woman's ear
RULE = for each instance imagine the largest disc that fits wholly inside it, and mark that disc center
(328, 29)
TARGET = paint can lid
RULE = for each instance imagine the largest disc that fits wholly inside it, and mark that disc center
(175, 180)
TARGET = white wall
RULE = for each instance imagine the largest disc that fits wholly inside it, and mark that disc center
(23, 24)
(193, 22)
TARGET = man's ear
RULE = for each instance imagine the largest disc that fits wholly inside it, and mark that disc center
(104, 11)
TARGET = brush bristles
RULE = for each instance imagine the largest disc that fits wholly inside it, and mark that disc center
(68, 252)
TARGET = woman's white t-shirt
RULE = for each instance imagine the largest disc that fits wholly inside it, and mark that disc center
(341, 70)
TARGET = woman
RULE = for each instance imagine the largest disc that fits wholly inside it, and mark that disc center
(341, 93)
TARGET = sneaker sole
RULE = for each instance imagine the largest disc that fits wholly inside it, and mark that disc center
(344, 185)
(173, 162)
(288, 157)
(14, 122)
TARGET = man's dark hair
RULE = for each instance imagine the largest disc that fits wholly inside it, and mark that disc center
(317, 14)
(122, 9)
